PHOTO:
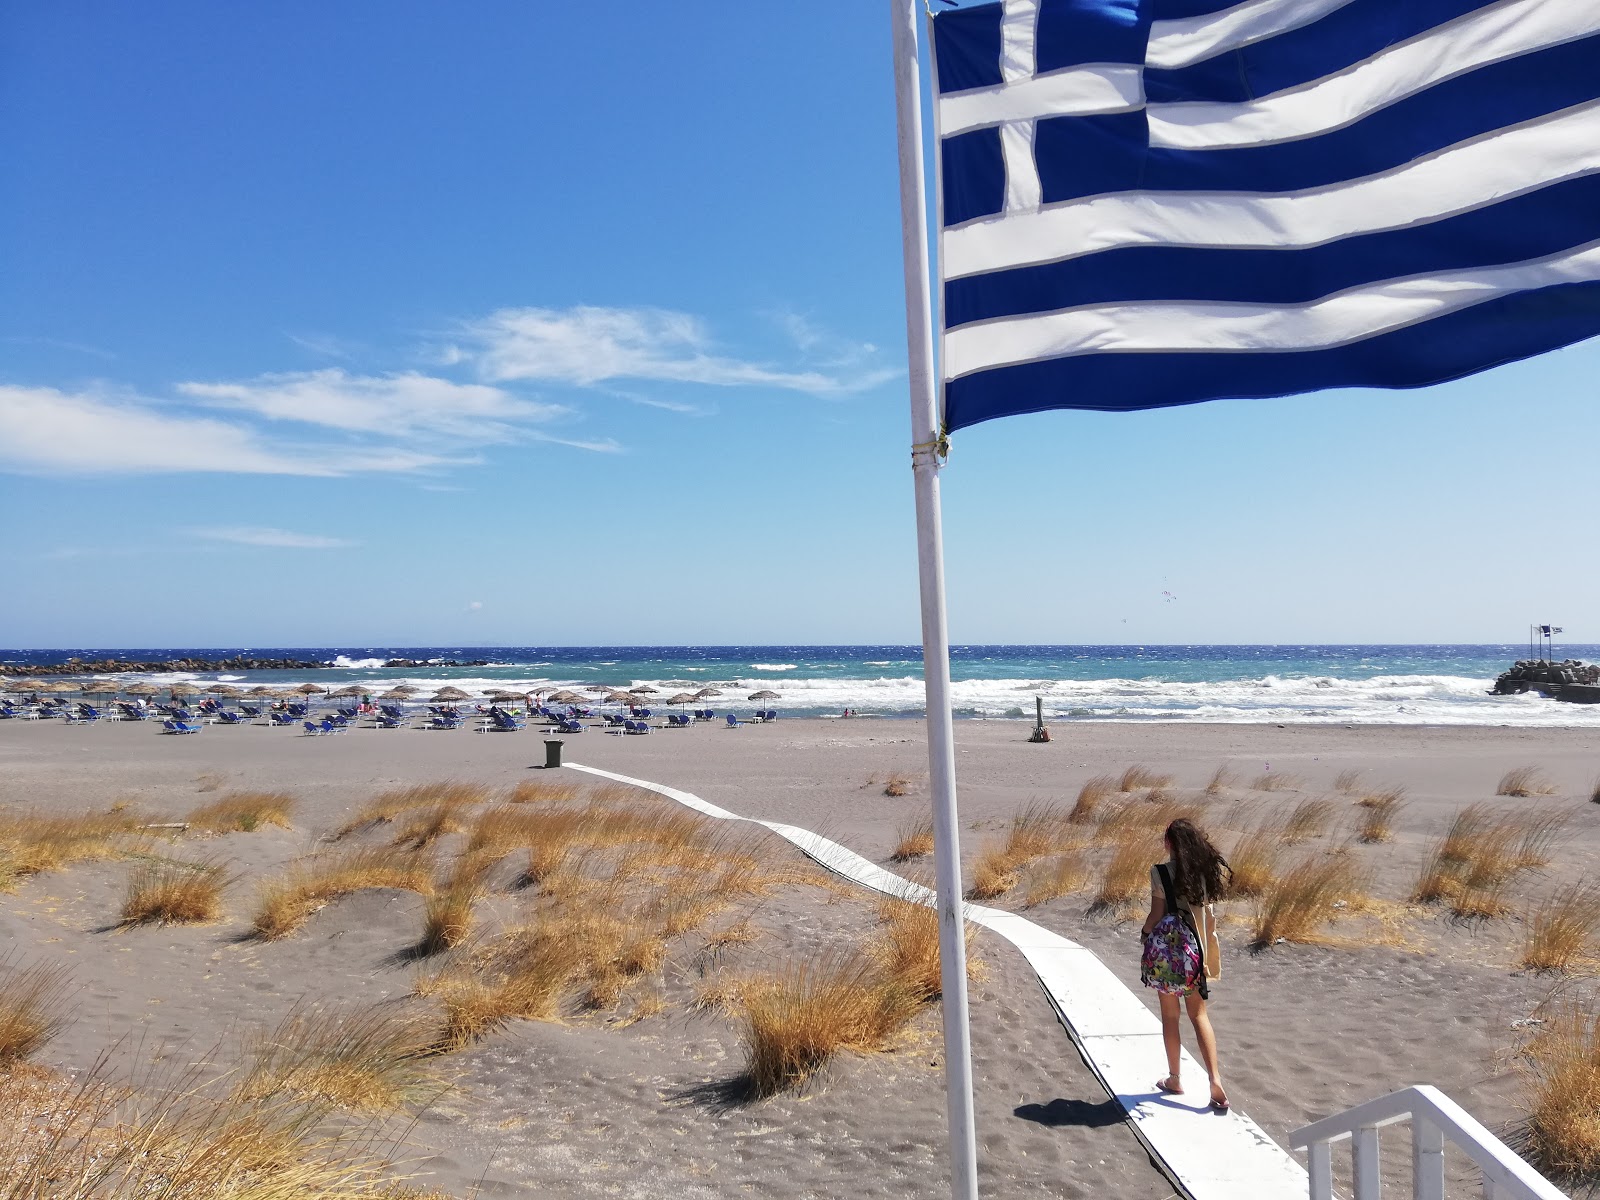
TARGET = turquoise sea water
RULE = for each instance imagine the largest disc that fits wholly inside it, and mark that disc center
(1350, 684)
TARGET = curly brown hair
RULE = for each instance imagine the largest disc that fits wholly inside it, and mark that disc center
(1198, 876)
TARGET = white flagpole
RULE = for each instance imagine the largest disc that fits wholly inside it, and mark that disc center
(925, 441)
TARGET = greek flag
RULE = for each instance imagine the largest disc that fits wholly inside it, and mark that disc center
(1156, 202)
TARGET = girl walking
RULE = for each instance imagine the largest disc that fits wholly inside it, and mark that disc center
(1180, 947)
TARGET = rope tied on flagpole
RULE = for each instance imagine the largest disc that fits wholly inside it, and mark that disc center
(939, 447)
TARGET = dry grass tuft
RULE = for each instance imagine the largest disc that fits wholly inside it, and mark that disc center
(1126, 875)
(1254, 860)
(1060, 875)
(1298, 903)
(1090, 796)
(915, 840)
(32, 1007)
(740, 933)
(1275, 781)
(1307, 820)
(1347, 781)
(169, 892)
(898, 785)
(448, 796)
(1138, 777)
(1594, 791)
(906, 949)
(533, 791)
(1562, 1096)
(1525, 781)
(1479, 854)
(243, 812)
(447, 918)
(1379, 810)
(1223, 778)
(366, 1059)
(809, 1012)
(34, 843)
(1562, 929)
(993, 874)
(288, 901)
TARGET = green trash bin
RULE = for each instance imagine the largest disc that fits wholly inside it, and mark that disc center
(552, 753)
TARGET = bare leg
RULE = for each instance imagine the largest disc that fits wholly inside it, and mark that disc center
(1169, 1038)
(1201, 1020)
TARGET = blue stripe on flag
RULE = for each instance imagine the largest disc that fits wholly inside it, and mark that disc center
(1525, 227)
(967, 51)
(973, 172)
(1449, 347)
(1090, 31)
(1344, 37)
(1088, 156)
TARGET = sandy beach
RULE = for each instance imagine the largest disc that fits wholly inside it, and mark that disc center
(598, 1103)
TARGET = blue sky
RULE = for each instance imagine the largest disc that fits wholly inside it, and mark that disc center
(508, 323)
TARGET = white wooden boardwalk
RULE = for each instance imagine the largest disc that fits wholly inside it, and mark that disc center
(1207, 1157)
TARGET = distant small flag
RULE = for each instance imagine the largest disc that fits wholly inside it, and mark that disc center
(1156, 202)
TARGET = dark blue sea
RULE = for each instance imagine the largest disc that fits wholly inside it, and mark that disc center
(1351, 684)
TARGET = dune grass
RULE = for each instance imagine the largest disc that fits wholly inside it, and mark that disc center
(1091, 796)
(1347, 781)
(1139, 777)
(1525, 781)
(1378, 812)
(1050, 878)
(1562, 1091)
(35, 843)
(288, 900)
(168, 891)
(1299, 903)
(243, 812)
(1254, 860)
(812, 1009)
(1594, 791)
(1471, 864)
(1562, 929)
(994, 873)
(1037, 829)
(1222, 779)
(1275, 781)
(450, 797)
(1125, 877)
(915, 839)
(365, 1059)
(1307, 820)
(1389, 797)
(32, 1007)
(898, 784)
(447, 916)
(534, 791)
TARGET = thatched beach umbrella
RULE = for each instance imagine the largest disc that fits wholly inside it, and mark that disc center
(504, 694)
(450, 693)
(182, 689)
(309, 689)
(567, 697)
(681, 699)
(224, 689)
(101, 687)
(263, 690)
(764, 696)
(396, 694)
(141, 689)
(645, 690)
(350, 690)
(707, 693)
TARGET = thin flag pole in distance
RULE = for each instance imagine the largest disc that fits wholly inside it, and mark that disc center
(926, 444)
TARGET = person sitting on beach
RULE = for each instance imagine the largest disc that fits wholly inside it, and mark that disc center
(1180, 947)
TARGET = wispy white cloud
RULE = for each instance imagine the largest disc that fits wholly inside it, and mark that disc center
(281, 539)
(587, 345)
(49, 431)
(25, 339)
(406, 404)
(323, 344)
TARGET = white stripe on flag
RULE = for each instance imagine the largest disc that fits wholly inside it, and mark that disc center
(1076, 91)
(1490, 35)
(1336, 320)
(1018, 28)
(1509, 162)
(1184, 42)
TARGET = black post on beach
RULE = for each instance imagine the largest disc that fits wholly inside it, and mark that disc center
(1040, 733)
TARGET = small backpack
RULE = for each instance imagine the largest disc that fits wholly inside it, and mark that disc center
(1174, 956)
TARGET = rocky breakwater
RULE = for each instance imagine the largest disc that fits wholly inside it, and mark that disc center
(115, 666)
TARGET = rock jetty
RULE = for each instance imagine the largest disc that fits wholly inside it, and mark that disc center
(114, 666)
(418, 663)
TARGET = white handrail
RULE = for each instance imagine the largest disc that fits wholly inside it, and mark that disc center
(1434, 1117)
